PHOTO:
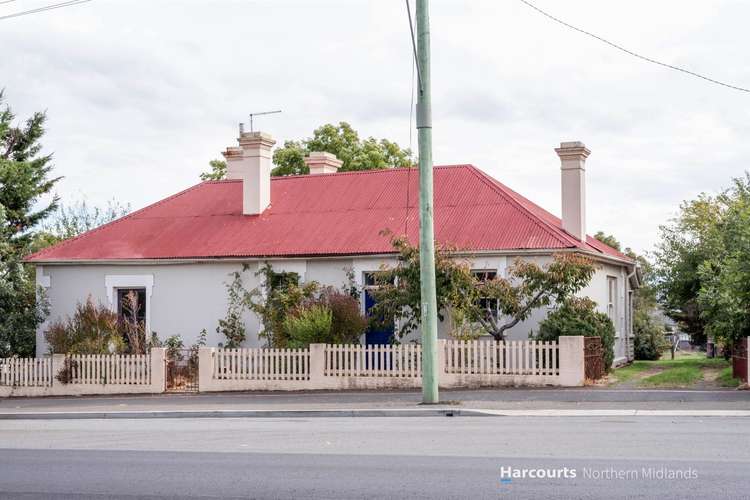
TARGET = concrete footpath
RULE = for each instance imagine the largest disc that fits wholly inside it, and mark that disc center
(505, 402)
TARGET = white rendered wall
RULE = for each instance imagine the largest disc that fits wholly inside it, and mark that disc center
(187, 298)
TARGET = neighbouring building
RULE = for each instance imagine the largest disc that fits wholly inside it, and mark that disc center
(177, 254)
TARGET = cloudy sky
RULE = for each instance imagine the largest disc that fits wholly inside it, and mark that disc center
(141, 94)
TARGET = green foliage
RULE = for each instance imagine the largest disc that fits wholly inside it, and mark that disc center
(686, 242)
(278, 296)
(24, 182)
(344, 142)
(724, 297)
(701, 263)
(578, 316)
(526, 287)
(218, 171)
(24, 175)
(347, 321)
(174, 344)
(282, 304)
(648, 339)
(680, 376)
(22, 310)
(608, 239)
(308, 325)
(290, 159)
(93, 329)
(341, 140)
(232, 327)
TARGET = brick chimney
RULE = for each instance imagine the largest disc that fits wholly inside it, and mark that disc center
(573, 186)
(321, 162)
(251, 163)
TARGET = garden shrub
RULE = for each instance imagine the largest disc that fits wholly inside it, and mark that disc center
(347, 321)
(93, 329)
(308, 325)
(649, 341)
(578, 316)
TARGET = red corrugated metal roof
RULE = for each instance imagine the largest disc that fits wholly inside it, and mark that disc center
(329, 214)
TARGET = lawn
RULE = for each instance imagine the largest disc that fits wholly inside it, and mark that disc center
(678, 376)
(725, 378)
(686, 370)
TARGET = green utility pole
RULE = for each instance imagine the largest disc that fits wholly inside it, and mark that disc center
(426, 232)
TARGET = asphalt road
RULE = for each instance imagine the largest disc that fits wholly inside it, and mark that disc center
(374, 457)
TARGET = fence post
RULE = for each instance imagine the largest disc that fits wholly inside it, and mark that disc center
(572, 362)
(747, 360)
(317, 366)
(58, 362)
(157, 369)
(443, 376)
(205, 368)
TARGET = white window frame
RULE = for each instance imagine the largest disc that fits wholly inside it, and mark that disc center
(475, 273)
(113, 282)
(612, 302)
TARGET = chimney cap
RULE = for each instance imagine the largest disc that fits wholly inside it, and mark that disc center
(573, 149)
(322, 162)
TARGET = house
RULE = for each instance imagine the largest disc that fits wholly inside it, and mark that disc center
(177, 254)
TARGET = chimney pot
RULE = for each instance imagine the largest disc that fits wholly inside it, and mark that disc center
(321, 162)
(573, 156)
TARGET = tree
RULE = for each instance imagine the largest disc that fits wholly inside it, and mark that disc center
(724, 295)
(608, 239)
(527, 286)
(578, 316)
(218, 171)
(687, 241)
(24, 182)
(341, 140)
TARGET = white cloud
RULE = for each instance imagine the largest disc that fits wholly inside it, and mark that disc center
(141, 95)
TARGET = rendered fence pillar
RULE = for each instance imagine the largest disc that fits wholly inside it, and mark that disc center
(444, 378)
(205, 368)
(58, 362)
(572, 361)
(317, 366)
(747, 355)
(158, 382)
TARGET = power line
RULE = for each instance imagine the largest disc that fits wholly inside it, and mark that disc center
(43, 9)
(411, 121)
(630, 52)
(6, 1)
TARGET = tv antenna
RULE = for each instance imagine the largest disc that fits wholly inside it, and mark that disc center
(242, 125)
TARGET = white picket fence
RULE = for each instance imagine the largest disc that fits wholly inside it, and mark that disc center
(26, 372)
(402, 361)
(261, 364)
(110, 369)
(460, 364)
(517, 357)
(61, 374)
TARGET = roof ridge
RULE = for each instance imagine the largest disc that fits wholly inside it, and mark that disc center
(497, 186)
(363, 172)
(68, 241)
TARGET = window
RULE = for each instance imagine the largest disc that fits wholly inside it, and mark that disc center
(282, 280)
(612, 300)
(125, 306)
(142, 284)
(486, 304)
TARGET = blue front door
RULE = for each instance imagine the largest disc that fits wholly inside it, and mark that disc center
(380, 334)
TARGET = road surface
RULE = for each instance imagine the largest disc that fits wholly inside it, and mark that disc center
(347, 458)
